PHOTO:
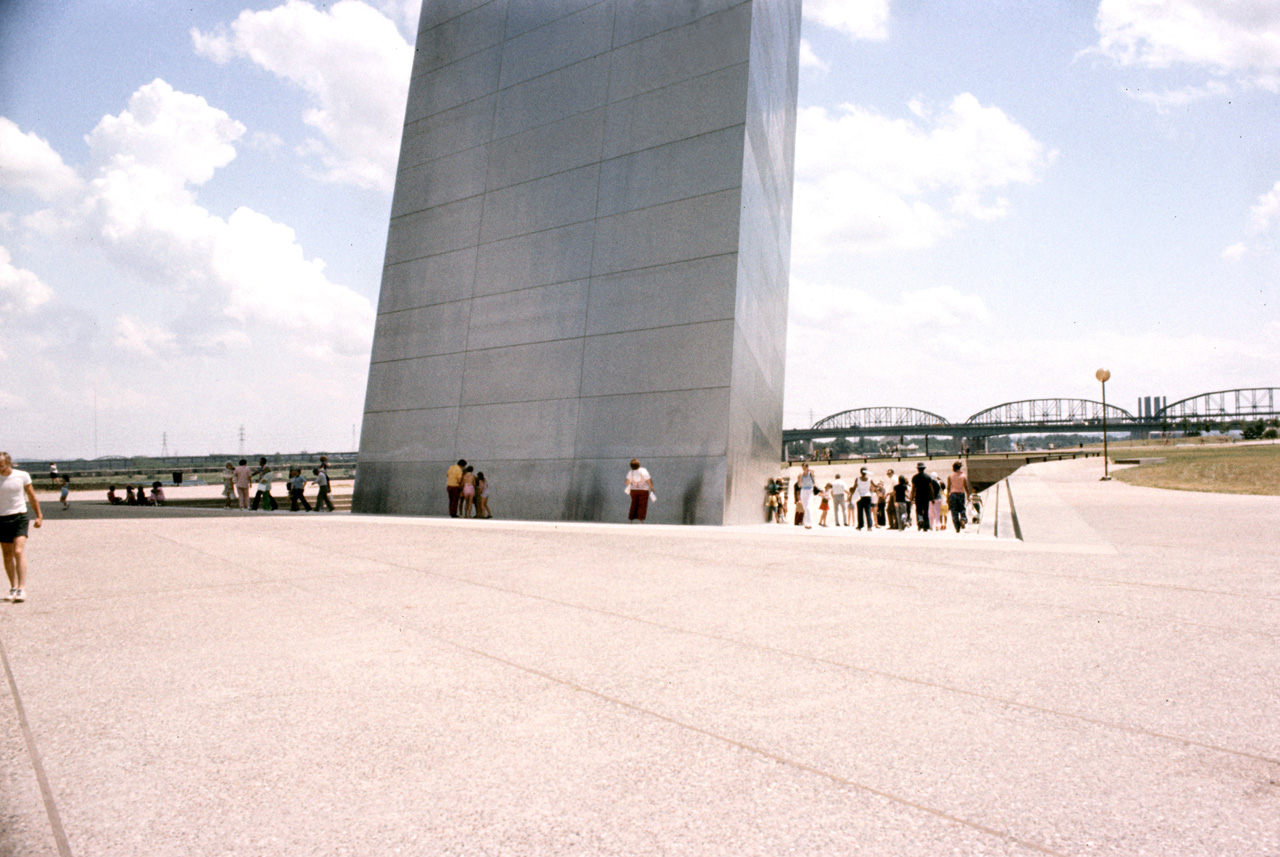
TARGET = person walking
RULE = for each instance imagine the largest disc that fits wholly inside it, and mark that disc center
(838, 492)
(66, 489)
(862, 499)
(265, 478)
(242, 478)
(17, 496)
(922, 489)
(806, 485)
(453, 485)
(229, 484)
(322, 489)
(639, 487)
(824, 505)
(935, 508)
(297, 490)
(958, 493)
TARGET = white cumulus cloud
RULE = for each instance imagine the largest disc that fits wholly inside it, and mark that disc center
(231, 277)
(868, 183)
(136, 336)
(809, 59)
(1262, 215)
(858, 19)
(1264, 210)
(176, 136)
(1239, 39)
(1227, 35)
(29, 163)
(351, 60)
(20, 290)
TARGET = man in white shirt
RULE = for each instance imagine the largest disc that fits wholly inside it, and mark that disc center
(16, 493)
(862, 498)
(838, 491)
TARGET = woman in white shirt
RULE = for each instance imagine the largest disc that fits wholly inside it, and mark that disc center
(639, 486)
(16, 494)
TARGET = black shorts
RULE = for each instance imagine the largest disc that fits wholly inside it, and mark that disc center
(12, 526)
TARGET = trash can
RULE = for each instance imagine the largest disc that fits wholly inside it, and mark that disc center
(177, 477)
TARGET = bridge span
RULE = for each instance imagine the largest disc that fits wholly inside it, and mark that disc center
(1044, 416)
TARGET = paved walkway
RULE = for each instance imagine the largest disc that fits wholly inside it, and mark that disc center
(192, 683)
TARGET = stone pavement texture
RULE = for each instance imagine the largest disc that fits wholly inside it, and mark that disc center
(274, 684)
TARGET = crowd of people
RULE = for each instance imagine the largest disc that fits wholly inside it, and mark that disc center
(874, 502)
(239, 479)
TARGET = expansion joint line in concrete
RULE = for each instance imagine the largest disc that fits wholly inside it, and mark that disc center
(750, 748)
(986, 697)
(50, 808)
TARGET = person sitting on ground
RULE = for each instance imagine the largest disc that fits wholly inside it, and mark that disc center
(157, 493)
(141, 494)
(129, 497)
(111, 496)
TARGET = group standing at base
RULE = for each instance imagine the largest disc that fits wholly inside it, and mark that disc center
(468, 491)
(925, 502)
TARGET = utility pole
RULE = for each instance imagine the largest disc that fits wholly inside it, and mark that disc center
(242, 440)
(164, 445)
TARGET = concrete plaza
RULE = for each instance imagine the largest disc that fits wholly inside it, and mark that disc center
(192, 682)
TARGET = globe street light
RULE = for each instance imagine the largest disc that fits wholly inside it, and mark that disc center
(1104, 376)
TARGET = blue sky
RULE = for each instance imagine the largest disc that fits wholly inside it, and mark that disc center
(992, 201)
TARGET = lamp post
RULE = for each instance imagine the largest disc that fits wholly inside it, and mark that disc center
(1104, 376)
